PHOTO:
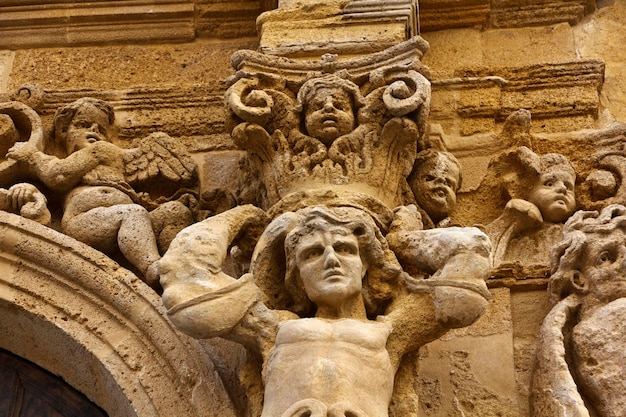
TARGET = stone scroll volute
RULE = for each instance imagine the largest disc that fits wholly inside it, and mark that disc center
(376, 110)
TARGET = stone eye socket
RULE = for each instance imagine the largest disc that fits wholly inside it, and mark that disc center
(313, 253)
(345, 249)
(605, 258)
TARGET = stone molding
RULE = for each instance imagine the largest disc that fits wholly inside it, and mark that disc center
(61, 22)
(551, 92)
(75, 312)
(228, 18)
(449, 14)
(41, 23)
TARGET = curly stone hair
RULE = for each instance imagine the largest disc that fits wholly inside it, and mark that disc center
(64, 115)
(310, 87)
(431, 154)
(383, 270)
(567, 255)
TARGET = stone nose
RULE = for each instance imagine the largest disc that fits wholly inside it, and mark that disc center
(329, 105)
(330, 257)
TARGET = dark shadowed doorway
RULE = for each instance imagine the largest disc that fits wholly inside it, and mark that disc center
(26, 390)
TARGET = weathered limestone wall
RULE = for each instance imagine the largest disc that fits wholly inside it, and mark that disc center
(570, 73)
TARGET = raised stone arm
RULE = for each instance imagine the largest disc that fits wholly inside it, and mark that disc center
(66, 173)
(202, 299)
(458, 260)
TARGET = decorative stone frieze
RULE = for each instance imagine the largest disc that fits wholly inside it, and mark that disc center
(330, 156)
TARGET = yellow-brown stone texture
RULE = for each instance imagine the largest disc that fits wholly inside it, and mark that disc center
(165, 66)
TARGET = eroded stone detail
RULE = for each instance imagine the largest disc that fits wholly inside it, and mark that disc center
(435, 180)
(579, 369)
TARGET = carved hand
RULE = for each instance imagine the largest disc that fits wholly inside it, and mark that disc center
(21, 151)
(29, 202)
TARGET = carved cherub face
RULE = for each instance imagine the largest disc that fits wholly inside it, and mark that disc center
(330, 266)
(88, 126)
(553, 194)
(434, 185)
(329, 114)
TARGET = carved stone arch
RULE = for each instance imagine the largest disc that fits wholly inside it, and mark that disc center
(76, 313)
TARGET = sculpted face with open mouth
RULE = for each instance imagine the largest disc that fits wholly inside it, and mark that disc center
(329, 114)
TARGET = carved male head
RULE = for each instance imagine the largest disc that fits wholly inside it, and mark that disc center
(329, 104)
(591, 258)
(83, 122)
(336, 255)
(435, 179)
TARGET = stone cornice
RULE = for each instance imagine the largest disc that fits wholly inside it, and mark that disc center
(41, 23)
(61, 22)
(477, 94)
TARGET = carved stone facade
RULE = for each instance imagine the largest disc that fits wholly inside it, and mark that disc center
(317, 208)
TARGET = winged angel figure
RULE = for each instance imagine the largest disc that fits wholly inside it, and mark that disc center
(101, 207)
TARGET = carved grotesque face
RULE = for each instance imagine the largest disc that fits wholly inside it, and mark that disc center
(329, 114)
(330, 266)
(435, 185)
(604, 265)
(88, 126)
(553, 194)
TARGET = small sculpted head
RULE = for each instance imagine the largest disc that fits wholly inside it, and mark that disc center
(553, 191)
(591, 258)
(83, 122)
(335, 259)
(329, 105)
(435, 179)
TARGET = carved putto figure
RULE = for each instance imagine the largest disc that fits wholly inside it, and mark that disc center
(308, 307)
(329, 104)
(580, 352)
(435, 180)
(541, 189)
(101, 207)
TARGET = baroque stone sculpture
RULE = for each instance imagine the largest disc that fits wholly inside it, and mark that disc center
(541, 189)
(27, 201)
(435, 179)
(101, 208)
(580, 357)
(340, 286)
